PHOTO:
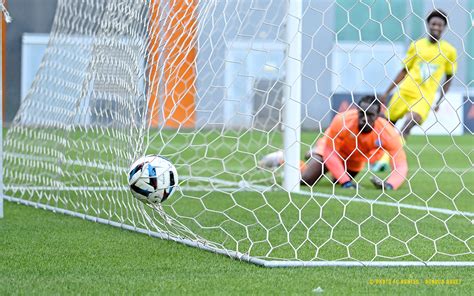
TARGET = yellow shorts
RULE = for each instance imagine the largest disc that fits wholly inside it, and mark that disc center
(402, 103)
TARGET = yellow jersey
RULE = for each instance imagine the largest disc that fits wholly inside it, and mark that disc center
(426, 64)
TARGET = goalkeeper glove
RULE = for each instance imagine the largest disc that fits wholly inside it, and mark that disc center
(380, 184)
(349, 185)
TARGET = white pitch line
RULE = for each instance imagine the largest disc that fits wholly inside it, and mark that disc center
(259, 188)
(444, 170)
(389, 204)
(101, 165)
(354, 199)
(69, 188)
(84, 163)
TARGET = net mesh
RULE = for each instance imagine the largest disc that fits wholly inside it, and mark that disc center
(204, 83)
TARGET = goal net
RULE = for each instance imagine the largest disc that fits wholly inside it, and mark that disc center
(214, 86)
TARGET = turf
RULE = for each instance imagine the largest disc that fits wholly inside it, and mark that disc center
(263, 223)
(47, 253)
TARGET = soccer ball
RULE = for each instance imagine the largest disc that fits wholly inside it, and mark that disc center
(152, 179)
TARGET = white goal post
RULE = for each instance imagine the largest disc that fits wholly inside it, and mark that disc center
(4, 18)
(292, 115)
(1, 121)
(216, 85)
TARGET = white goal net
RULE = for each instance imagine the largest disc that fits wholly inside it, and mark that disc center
(216, 85)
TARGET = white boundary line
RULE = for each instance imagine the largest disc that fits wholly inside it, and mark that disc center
(339, 197)
(69, 188)
(101, 165)
(389, 204)
(260, 188)
(238, 255)
(91, 164)
(373, 201)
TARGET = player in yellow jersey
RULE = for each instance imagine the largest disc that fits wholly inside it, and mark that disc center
(427, 62)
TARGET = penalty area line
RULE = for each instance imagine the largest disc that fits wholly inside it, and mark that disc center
(231, 186)
(387, 203)
(354, 199)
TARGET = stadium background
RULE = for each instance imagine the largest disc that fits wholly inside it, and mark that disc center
(322, 90)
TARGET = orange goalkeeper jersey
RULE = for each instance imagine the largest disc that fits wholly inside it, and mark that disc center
(344, 148)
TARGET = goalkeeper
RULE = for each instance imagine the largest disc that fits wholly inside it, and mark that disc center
(353, 138)
(427, 61)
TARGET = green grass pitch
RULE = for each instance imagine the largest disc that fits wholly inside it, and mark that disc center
(47, 253)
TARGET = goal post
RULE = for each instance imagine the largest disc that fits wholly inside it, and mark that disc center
(4, 18)
(215, 86)
(1, 112)
(292, 107)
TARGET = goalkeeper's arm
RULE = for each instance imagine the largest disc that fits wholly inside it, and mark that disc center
(398, 162)
(399, 169)
(331, 158)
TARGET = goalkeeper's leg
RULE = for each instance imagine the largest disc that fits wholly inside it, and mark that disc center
(312, 171)
(272, 160)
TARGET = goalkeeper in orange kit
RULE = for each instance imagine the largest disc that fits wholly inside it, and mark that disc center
(353, 138)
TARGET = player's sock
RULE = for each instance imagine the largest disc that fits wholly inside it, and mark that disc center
(275, 159)
(272, 160)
